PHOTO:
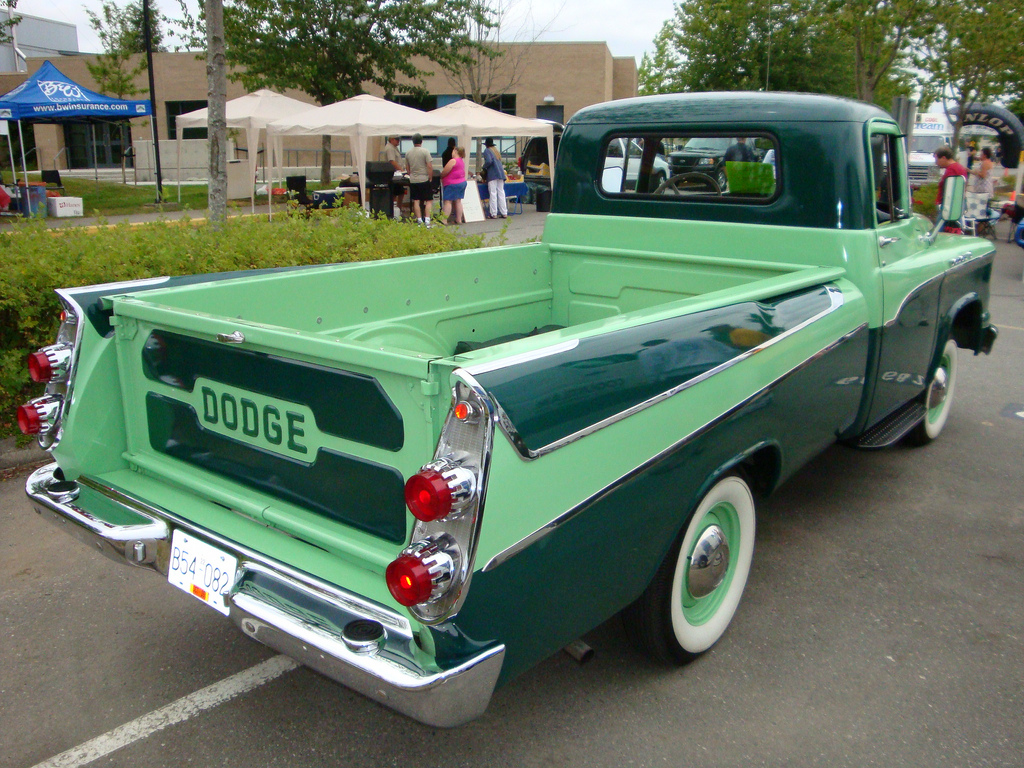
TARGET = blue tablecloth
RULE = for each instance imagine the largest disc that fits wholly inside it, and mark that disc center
(512, 189)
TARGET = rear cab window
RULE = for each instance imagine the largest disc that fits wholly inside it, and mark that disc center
(713, 167)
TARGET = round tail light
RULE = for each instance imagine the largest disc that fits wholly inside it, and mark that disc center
(39, 369)
(50, 363)
(423, 571)
(428, 496)
(29, 420)
(409, 580)
(439, 489)
(39, 416)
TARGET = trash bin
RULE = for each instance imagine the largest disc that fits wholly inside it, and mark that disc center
(382, 202)
(543, 200)
(33, 203)
(378, 180)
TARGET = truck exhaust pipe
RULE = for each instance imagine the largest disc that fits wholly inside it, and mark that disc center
(580, 651)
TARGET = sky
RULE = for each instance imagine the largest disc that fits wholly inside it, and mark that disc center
(628, 26)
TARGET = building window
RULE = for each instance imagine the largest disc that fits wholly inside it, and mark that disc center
(407, 100)
(175, 108)
(506, 103)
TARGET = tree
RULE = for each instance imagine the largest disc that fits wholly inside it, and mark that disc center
(333, 49)
(122, 34)
(493, 66)
(970, 59)
(736, 45)
(501, 38)
(881, 32)
(8, 24)
(216, 74)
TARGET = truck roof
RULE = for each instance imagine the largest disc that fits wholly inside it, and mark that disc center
(731, 107)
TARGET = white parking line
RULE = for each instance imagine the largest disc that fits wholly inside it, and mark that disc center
(175, 712)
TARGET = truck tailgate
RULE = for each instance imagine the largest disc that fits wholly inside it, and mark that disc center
(310, 435)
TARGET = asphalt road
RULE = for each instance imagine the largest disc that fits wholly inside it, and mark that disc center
(883, 625)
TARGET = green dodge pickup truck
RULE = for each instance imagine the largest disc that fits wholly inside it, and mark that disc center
(421, 476)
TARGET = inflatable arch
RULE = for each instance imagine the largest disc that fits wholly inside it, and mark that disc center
(1006, 124)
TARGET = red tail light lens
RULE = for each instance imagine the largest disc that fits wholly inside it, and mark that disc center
(39, 369)
(409, 580)
(428, 496)
(29, 420)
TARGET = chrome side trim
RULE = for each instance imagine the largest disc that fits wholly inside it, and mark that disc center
(394, 672)
(523, 357)
(512, 434)
(509, 552)
(958, 267)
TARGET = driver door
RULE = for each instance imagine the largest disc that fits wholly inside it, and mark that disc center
(910, 295)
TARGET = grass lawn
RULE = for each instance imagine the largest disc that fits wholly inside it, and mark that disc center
(104, 198)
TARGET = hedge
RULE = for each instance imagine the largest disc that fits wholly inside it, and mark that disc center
(35, 260)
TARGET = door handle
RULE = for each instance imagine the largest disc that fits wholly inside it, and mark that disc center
(884, 241)
(235, 337)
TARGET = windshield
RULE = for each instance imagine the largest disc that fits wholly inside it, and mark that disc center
(705, 144)
(927, 143)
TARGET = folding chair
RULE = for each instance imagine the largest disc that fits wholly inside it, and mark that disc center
(52, 180)
(296, 186)
(976, 215)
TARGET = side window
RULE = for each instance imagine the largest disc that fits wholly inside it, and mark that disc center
(716, 168)
(889, 180)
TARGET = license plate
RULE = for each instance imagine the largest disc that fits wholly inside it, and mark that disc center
(203, 571)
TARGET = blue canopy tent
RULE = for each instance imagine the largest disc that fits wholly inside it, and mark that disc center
(50, 96)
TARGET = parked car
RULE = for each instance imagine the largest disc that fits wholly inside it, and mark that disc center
(534, 162)
(616, 157)
(706, 154)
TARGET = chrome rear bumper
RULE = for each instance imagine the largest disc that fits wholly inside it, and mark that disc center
(264, 604)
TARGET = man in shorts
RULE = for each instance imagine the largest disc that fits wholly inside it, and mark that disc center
(420, 165)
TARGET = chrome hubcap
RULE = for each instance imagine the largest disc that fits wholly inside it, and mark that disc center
(709, 562)
(937, 391)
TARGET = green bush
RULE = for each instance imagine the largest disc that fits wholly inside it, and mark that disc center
(34, 261)
(924, 200)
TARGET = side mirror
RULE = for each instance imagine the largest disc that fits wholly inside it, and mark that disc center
(953, 198)
(952, 208)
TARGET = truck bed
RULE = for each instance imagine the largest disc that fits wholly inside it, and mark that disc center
(354, 363)
(399, 314)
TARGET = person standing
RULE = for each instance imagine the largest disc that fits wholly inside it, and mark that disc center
(739, 152)
(420, 165)
(944, 158)
(394, 156)
(494, 173)
(448, 150)
(984, 184)
(453, 176)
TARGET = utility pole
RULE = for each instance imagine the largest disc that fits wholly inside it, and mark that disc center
(217, 84)
(148, 41)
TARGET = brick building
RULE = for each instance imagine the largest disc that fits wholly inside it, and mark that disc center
(551, 80)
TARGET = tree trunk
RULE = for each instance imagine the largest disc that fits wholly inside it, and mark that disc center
(216, 74)
(325, 161)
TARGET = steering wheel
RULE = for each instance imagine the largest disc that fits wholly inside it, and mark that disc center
(670, 186)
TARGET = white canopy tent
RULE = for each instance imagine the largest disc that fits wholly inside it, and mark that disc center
(357, 118)
(250, 113)
(468, 120)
